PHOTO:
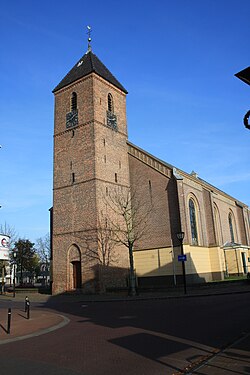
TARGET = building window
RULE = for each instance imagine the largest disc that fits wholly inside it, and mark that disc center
(217, 225)
(230, 222)
(150, 190)
(110, 103)
(73, 177)
(73, 101)
(193, 222)
(115, 177)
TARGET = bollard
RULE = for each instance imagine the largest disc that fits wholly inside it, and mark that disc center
(25, 303)
(9, 320)
(28, 309)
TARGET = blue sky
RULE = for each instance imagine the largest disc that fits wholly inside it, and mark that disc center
(177, 59)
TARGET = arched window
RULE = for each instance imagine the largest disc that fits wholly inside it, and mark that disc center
(73, 101)
(217, 223)
(193, 223)
(231, 229)
(110, 103)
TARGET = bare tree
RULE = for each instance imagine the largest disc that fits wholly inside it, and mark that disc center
(43, 248)
(129, 221)
(103, 237)
(98, 245)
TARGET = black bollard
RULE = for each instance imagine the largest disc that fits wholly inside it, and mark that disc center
(28, 309)
(9, 321)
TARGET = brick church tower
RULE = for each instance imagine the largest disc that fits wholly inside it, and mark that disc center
(90, 157)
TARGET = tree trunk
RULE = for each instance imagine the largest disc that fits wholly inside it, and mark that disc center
(132, 290)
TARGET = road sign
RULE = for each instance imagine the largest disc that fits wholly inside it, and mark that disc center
(182, 258)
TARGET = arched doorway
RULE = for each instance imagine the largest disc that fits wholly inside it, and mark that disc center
(74, 273)
(77, 275)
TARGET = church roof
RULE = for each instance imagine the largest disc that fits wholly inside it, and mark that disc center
(89, 63)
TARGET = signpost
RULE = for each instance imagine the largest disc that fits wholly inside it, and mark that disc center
(182, 258)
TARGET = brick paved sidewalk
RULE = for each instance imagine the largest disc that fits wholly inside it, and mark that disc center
(40, 322)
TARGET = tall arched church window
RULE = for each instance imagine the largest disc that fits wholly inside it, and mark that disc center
(193, 222)
(110, 103)
(73, 101)
(231, 229)
(217, 225)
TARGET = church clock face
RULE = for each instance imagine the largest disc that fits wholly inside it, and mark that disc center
(111, 120)
(72, 119)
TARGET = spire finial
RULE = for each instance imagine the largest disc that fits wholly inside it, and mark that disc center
(89, 38)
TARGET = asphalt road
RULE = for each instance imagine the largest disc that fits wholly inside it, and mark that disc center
(152, 337)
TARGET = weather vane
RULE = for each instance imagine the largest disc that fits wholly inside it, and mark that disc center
(89, 37)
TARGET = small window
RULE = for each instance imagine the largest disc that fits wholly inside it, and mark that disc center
(115, 177)
(73, 177)
(150, 190)
(110, 103)
(107, 191)
(73, 101)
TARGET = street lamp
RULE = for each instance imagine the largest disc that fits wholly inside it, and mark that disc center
(14, 275)
(244, 75)
(180, 236)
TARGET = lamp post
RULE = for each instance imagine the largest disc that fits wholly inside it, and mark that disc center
(14, 274)
(180, 236)
(244, 75)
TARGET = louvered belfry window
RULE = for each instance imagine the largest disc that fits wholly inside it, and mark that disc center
(73, 101)
(110, 103)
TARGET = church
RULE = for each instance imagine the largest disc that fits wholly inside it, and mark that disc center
(117, 208)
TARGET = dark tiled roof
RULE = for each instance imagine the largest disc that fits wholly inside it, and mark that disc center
(89, 63)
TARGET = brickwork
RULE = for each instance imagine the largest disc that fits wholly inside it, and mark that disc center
(92, 161)
(88, 159)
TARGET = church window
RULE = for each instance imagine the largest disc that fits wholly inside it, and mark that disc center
(115, 177)
(150, 190)
(110, 103)
(217, 223)
(73, 101)
(107, 191)
(104, 142)
(193, 222)
(230, 222)
(73, 177)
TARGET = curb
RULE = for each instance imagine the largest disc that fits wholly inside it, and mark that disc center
(40, 332)
(138, 298)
